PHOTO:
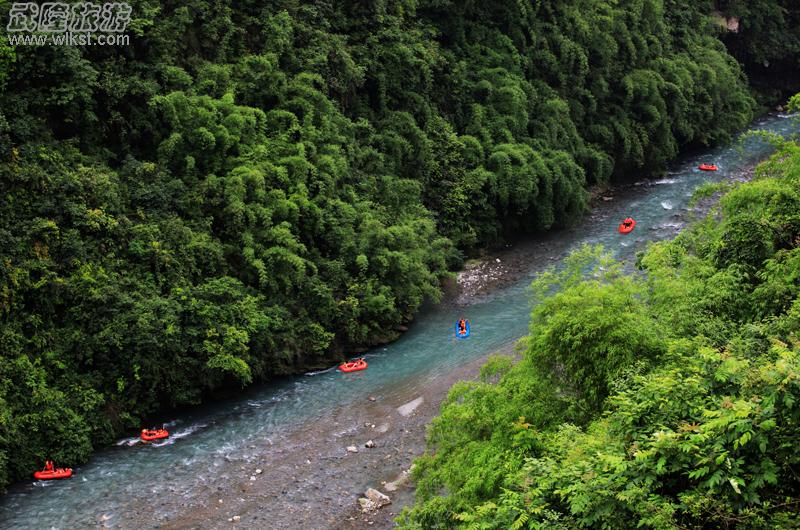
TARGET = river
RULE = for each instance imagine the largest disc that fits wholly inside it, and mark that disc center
(217, 446)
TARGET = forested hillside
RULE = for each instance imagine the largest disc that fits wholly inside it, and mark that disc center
(247, 190)
(766, 41)
(660, 400)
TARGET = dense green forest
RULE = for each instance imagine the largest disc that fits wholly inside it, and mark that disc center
(667, 399)
(249, 189)
(766, 42)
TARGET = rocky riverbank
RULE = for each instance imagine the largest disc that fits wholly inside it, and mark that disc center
(310, 479)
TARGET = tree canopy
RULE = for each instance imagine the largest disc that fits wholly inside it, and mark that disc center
(249, 189)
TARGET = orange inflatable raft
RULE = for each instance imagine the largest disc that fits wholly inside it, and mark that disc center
(627, 226)
(148, 435)
(53, 474)
(353, 366)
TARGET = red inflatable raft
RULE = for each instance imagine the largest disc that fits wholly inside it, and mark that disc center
(353, 366)
(707, 167)
(148, 435)
(53, 474)
(627, 226)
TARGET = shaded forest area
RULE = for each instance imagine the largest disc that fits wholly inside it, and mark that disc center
(245, 191)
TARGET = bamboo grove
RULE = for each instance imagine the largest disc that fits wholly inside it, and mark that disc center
(250, 189)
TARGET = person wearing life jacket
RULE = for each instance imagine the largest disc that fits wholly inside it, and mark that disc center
(462, 326)
(48, 465)
(627, 222)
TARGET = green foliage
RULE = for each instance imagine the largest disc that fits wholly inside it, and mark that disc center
(250, 190)
(706, 191)
(768, 34)
(667, 400)
(794, 103)
(582, 337)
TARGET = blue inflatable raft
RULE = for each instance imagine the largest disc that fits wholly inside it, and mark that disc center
(462, 335)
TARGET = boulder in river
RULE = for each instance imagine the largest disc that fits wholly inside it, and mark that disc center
(352, 449)
(373, 500)
(370, 444)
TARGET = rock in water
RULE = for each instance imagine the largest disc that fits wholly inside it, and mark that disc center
(667, 205)
(408, 408)
(374, 500)
(377, 497)
(369, 444)
(352, 449)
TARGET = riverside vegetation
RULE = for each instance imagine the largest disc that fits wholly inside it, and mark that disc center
(255, 188)
(667, 399)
